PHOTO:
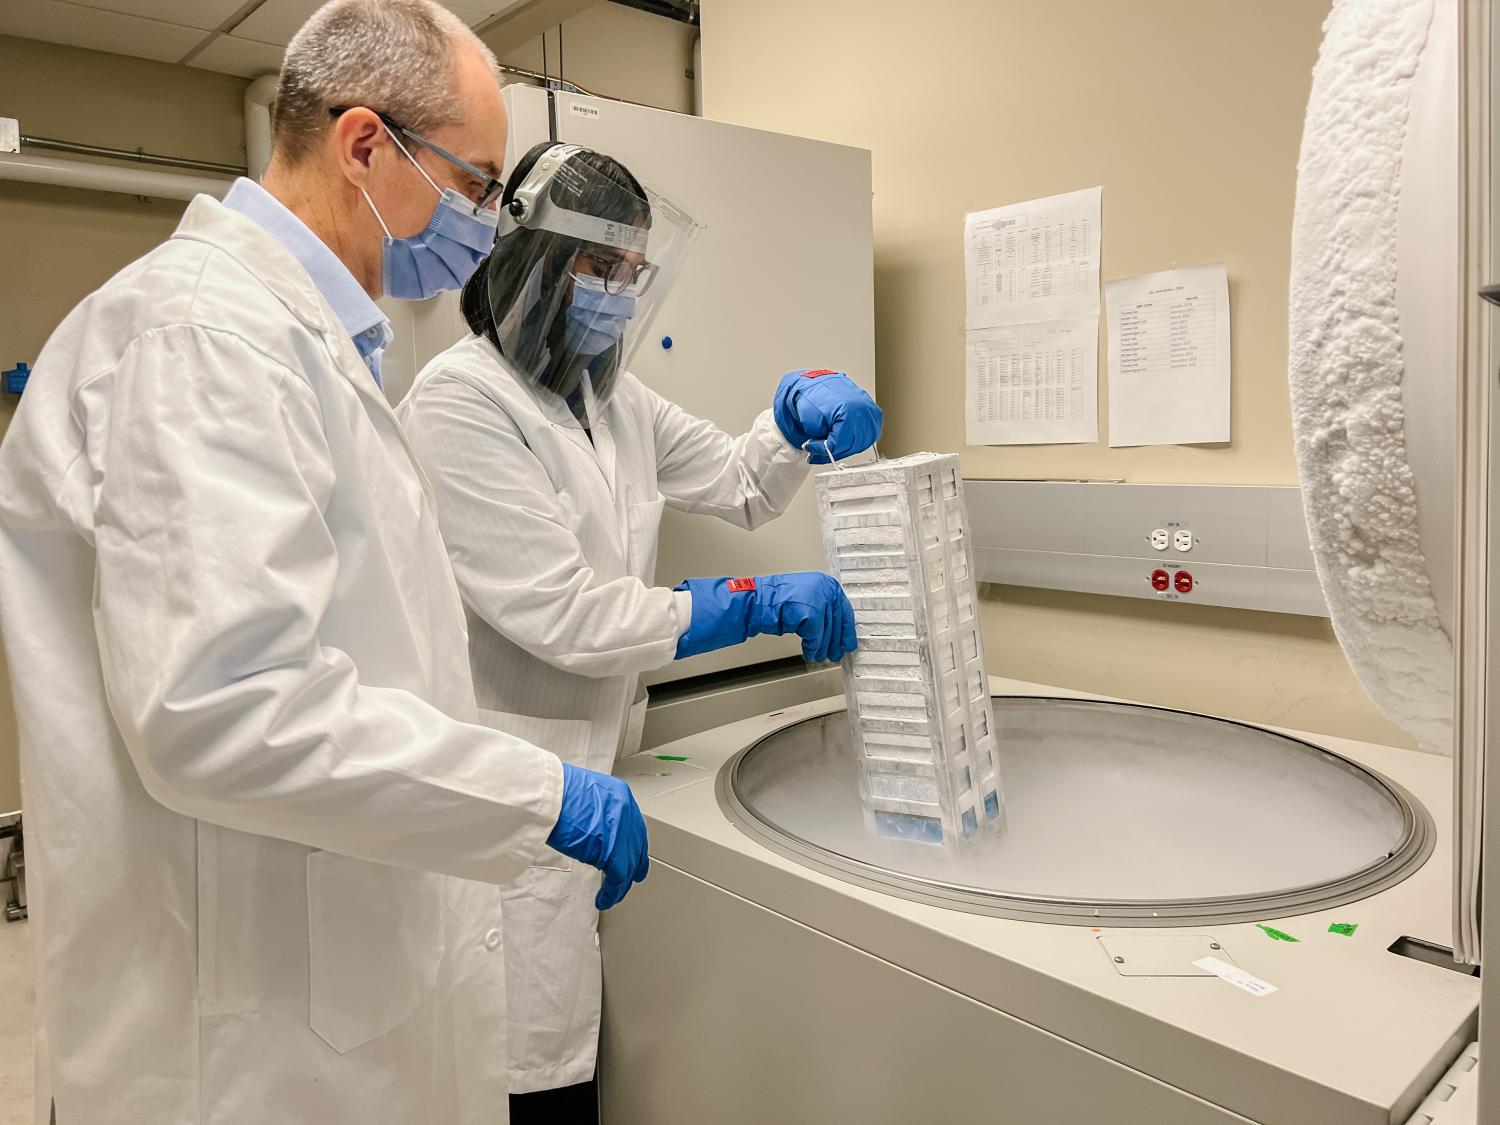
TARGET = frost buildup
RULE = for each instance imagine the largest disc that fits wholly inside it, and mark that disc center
(896, 535)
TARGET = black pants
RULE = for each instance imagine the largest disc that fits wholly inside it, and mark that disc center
(569, 1105)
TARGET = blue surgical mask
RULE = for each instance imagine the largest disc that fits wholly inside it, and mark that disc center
(447, 251)
(596, 319)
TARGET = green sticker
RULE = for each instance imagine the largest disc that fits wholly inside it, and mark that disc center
(670, 758)
(1275, 934)
(1345, 929)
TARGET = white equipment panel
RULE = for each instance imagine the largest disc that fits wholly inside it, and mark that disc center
(1243, 546)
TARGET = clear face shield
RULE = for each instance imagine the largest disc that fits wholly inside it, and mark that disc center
(580, 269)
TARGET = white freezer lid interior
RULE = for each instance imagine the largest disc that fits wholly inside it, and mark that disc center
(1114, 812)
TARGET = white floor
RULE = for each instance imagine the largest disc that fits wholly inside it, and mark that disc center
(17, 1003)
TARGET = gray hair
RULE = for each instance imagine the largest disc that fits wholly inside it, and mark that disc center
(394, 56)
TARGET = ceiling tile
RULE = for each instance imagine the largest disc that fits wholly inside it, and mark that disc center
(167, 30)
(56, 22)
(231, 54)
(276, 21)
(204, 14)
(475, 12)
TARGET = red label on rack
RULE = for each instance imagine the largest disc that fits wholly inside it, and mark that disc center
(740, 585)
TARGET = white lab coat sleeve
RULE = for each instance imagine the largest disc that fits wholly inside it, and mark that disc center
(520, 566)
(215, 565)
(745, 480)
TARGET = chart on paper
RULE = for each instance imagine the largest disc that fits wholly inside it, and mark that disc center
(1033, 261)
(1169, 369)
(1033, 383)
(1169, 335)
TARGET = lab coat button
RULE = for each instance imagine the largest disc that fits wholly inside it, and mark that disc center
(492, 940)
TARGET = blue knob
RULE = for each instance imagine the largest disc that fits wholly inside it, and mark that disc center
(666, 342)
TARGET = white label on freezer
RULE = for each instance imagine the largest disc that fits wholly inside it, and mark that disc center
(1235, 976)
(590, 111)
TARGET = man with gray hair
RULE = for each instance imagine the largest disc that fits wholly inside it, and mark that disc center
(266, 832)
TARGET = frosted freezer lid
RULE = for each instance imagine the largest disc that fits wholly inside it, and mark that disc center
(1114, 812)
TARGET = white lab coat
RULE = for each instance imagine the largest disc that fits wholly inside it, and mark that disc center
(265, 836)
(553, 538)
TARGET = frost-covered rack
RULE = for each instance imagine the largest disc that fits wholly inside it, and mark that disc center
(895, 533)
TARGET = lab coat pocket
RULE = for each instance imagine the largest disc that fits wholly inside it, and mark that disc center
(643, 529)
(569, 739)
(375, 940)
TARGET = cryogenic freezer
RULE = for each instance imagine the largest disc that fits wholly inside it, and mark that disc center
(1185, 921)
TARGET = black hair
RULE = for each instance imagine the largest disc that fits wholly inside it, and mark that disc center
(509, 264)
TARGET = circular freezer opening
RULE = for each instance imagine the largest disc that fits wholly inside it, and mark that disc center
(1114, 813)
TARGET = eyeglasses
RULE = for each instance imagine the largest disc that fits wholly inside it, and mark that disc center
(619, 274)
(492, 185)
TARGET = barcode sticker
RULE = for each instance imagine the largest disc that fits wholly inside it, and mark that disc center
(740, 585)
(580, 110)
(1235, 976)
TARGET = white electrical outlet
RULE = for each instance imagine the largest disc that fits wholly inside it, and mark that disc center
(1183, 540)
(1160, 539)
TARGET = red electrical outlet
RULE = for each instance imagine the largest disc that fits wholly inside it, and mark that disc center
(1183, 583)
(1161, 580)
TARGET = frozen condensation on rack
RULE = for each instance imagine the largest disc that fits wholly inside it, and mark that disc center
(896, 535)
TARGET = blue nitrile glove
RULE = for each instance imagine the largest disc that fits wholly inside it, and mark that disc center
(727, 611)
(826, 406)
(601, 825)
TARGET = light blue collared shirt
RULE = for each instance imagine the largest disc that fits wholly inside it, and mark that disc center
(361, 317)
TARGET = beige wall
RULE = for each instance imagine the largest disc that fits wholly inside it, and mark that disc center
(1189, 114)
(1203, 659)
(618, 52)
(60, 244)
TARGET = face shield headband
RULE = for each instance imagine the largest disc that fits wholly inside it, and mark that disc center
(581, 269)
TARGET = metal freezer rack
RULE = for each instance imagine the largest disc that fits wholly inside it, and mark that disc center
(896, 535)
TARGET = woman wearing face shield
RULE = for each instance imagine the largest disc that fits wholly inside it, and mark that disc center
(552, 465)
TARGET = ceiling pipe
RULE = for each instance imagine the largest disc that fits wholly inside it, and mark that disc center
(258, 98)
(77, 148)
(548, 81)
(27, 169)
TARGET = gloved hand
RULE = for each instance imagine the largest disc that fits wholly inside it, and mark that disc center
(727, 611)
(601, 825)
(826, 406)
